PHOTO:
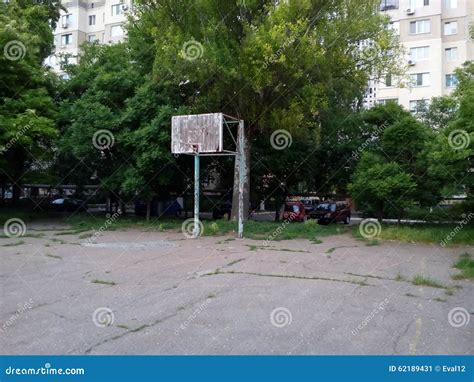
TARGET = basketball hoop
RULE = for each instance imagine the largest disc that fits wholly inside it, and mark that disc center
(203, 135)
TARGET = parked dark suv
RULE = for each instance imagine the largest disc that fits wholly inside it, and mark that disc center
(332, 212)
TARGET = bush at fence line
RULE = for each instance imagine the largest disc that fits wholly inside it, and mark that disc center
(213, 228)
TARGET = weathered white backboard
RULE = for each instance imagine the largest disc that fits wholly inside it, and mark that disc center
(197, 133)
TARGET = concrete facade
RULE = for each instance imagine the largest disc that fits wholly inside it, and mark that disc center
(435, 34)
(87, 20)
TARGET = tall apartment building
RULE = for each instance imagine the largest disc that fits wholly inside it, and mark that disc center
(435, 34)
(87, 20)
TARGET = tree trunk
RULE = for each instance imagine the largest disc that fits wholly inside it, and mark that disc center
(123, 208)
(277, 211)
(380, 213)
(148, 209)
(278, 204)
(16, 193)
(235, 192)
(400, 215)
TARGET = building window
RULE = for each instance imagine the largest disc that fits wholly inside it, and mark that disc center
(388, 4)
(451, 27)
(450, 4)
(420, 53)
(385, 101)
(451, 54)
(451, 80)
(419, 3)
(417, 105)
(92, 20)
(420, 26)
(388, 80)
(116, 9)
(116, 31)
(66, 20)
(419, 79)
(66, 39)
(91, 38)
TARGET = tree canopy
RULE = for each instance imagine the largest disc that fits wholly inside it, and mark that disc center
(294, 71)
(27, 108)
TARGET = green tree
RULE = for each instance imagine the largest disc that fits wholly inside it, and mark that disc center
(109, 97)
(378, 185)
(397, 137)
(439, 112)
(408, 142)
(151, 169)
(269, 63)
(27, 110)
(93, 144)
(452, 155)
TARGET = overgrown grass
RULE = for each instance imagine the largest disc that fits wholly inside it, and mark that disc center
(466, 265)
(26, 216)
(424, 233)
(426, 281)
(264, 230)
(258, 230)
(373, 243)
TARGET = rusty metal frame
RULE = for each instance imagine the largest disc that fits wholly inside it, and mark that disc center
(239, 153)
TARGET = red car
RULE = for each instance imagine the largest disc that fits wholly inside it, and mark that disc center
(294, 211)
(332, 212)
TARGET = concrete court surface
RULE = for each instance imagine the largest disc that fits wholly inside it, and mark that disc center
(134, 292)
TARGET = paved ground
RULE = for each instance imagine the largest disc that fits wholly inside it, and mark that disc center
(138, 292)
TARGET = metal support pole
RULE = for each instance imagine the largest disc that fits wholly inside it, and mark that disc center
(196, 196)
(242, 176)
